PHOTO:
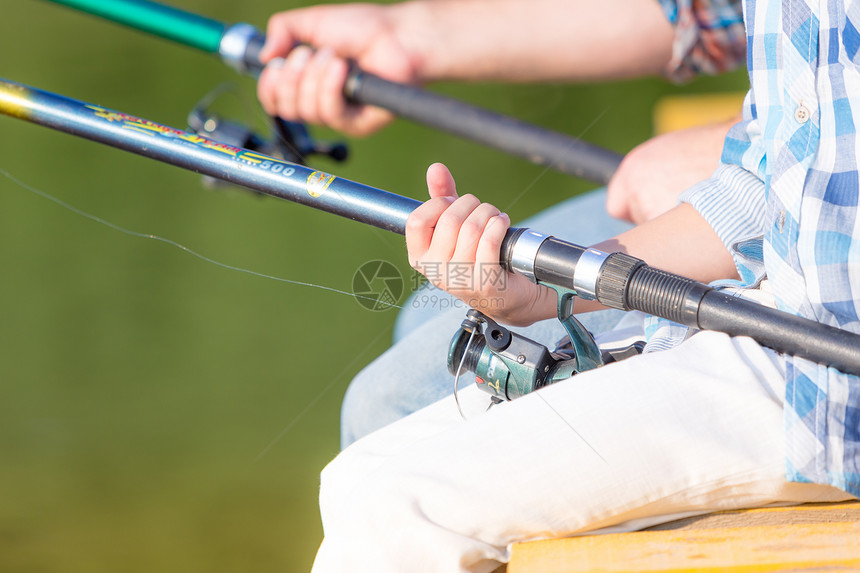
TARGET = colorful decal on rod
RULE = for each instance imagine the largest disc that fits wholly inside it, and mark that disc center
(318, 182)
(154, 129)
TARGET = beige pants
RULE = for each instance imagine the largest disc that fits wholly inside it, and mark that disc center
(643, 441)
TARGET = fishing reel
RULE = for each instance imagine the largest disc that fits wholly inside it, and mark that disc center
(508, 365)
(290, 141)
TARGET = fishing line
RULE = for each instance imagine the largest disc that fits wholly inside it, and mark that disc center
(551, 165)
(534, 181)
(179, 246)
(528, 188)
(115, 227)
(569, 425)
(269, 120)
(319, 396)
(459, 371)
(257, 111)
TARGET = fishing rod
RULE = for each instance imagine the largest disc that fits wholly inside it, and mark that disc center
(616, 280)
(239, 46)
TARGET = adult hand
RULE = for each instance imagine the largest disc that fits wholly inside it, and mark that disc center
(315, 44)
(411, 42)
(653, 175)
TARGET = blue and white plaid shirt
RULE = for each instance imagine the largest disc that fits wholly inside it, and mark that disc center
(785, 201)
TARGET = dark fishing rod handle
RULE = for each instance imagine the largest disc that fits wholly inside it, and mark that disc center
(616, 280)
(620, 281)
(519, 138)
(516, 137)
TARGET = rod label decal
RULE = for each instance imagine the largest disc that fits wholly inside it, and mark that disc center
(150, 127)
(156, 129)
(318, 182)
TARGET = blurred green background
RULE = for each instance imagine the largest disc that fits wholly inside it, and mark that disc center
(159, 413)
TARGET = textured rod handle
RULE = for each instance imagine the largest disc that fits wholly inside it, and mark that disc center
(665, 295)
(781, 331)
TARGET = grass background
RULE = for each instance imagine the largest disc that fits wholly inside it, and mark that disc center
(159, 413)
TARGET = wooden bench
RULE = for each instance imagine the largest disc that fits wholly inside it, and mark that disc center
(672, 113)
(812, 537)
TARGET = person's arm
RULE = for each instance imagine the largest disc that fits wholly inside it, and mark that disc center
(448, 233)
(510, 40)
(427, 40)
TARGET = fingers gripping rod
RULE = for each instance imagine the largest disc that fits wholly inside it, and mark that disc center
(239, 46)
(616, 280)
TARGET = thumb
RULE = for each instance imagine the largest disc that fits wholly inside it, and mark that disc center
(440, 182)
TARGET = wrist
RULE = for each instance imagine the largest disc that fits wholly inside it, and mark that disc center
(543, 305)
(454, 40)
(414, 26)
(546, 304)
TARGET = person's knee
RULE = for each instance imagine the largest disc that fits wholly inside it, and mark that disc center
(396, 384)
(378, 395)
(362, 502)
(361, 401)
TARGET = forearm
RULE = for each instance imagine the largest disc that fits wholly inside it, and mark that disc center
(679, 241)
(534, 40)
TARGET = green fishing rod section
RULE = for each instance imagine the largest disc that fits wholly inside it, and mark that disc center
(165, 21)
(239, 46)
(616, 280)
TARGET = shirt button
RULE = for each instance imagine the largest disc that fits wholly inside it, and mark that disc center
(801, 114)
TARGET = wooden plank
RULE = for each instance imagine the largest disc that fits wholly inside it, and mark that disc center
(810, 547)
(672, 113)
(807, 513)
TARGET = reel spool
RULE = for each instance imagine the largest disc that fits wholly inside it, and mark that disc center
(508, 365)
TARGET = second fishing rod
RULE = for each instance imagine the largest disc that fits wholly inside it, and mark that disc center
(239, 46)
(613, 279)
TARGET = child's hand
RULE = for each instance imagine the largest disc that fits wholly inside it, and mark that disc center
(455, 243)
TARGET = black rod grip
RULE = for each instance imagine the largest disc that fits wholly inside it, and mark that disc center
(536, 144)
(556, 261)
(694, 304)
(664, 294)
(539, 145)
(627, 283)
(781, 331)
